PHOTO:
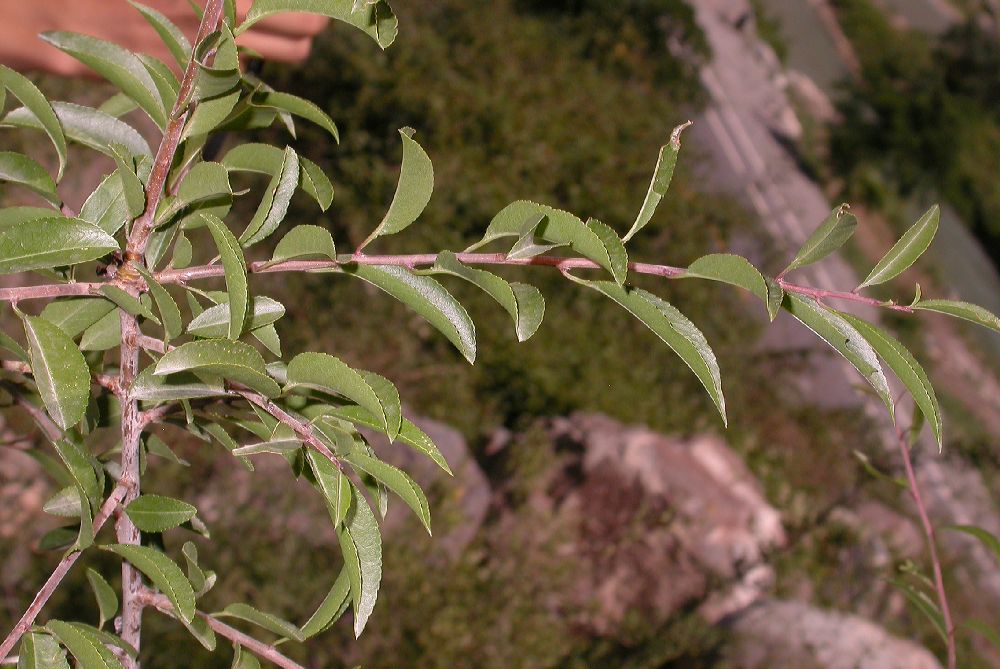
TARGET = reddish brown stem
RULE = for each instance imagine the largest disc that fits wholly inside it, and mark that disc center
(58, 574)
(929, 535)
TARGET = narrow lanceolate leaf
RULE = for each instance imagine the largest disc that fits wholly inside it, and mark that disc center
(231, 360)
(732, 269)
(330, 374)
(104, 334)
(614, 247)
(924, 604)
(409, 434)
(132, 188)
(235, 266)
(662, 175)
(268, 621)
(428, 298)
(210, 114)
(106, 206)
(164, 574)
(60, 371)
(331, 608)
(905, 252)
(119, 66)
(17, 168)
(986, 538)
(41, 651)
(75, 314)
(155, 513)
(397, 481)
(170, 313)
(845, 339)
(299, 107)
(303, 242)
(334, 485)
(50, 242)
(128, 303)
(676, 331)
(214, 321)
(524, 303)
(267, 159)
(963, 310)
(80, 470)
(107, 600)
(905, 367)
(361, 544)
(413, 192)
(85, 125)
(374, 18)
(274, 204)
(172, 36)
(33, 100)
(183, 386)
(559, 227)
(828, 237)
(87, 648)
(205, 187)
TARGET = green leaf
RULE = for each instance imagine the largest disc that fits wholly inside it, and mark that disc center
(87, 126)
(676, 331)
(559, 227)
(331, 608)
(663, 173)
(213, 322)
(33, 100)
(267, 159)
(827, 238)
(41, 651)
(732, 269)
(50, 242)
(118, 105)
(210, 114)
(170, 313)
(374, 18)
(172, 36)
(164, 574)
(963, 310)
(107, 638)
(775, 296)
(270, 622)
(832, 328)
(132, 188)
(154, 513)
(107, 600)
(119, 66)
(128, 303)
(75, 314)
(905, 252)
(232, 360)
(199, 629)
(305, 241)
(106, 206)
(397, 481)
(330, 374)
(81, 470)
(524, 303)
(166, 82)
(334, 485)
(59, 370)
(235, 266)
(923, 603)
(613, 247)
(206, 187)
(84, 646)
(425, 296)
(413, 192)
(274, 205)
(984, 629)
(19, 169)
(183, 252)
(151, 388)
(243, 659)
(409, 434)
(65, 503)
(104, 334)
(158, 447)
(14, 216)
(986, 538)
(361, 544)
(905, 367)
(223, 75)
(297, 106)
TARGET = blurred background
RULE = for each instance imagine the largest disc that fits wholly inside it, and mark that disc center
(600, 514)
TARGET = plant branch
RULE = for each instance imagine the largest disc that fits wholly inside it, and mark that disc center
(942, 594)
(45, 592)
(258, 648)
(49, 291)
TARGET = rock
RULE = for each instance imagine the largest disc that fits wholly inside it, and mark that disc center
(793, 634)
(657, 520)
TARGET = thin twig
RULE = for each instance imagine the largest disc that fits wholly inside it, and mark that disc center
(50, 291)
(259, 648)
(300, 427)
(45, 592)
(929, 535)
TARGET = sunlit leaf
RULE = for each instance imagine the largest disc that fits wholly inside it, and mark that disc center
(107, 600)
(172, 36)
(87, 126)
(963, 310)
(155, 513)
(361, 544)
(267, 159)
(164, 574)
(41, 651)
(662, 175)
(214, 321)
(413, 192)
(732, 269)
(331, 608)
(334, 485)
(33, 100)
(73, 315)
(375, 18)
(905, 252)
(833, 233)
(59, 370)
(409, 434)
(397, 481)
(50, 242)
(297, 106)
(267, 621)
(87, 648)
(170, 313)
(232, 360)
(17, 168)
(305, 241)
(235, 266)
(274, 205)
